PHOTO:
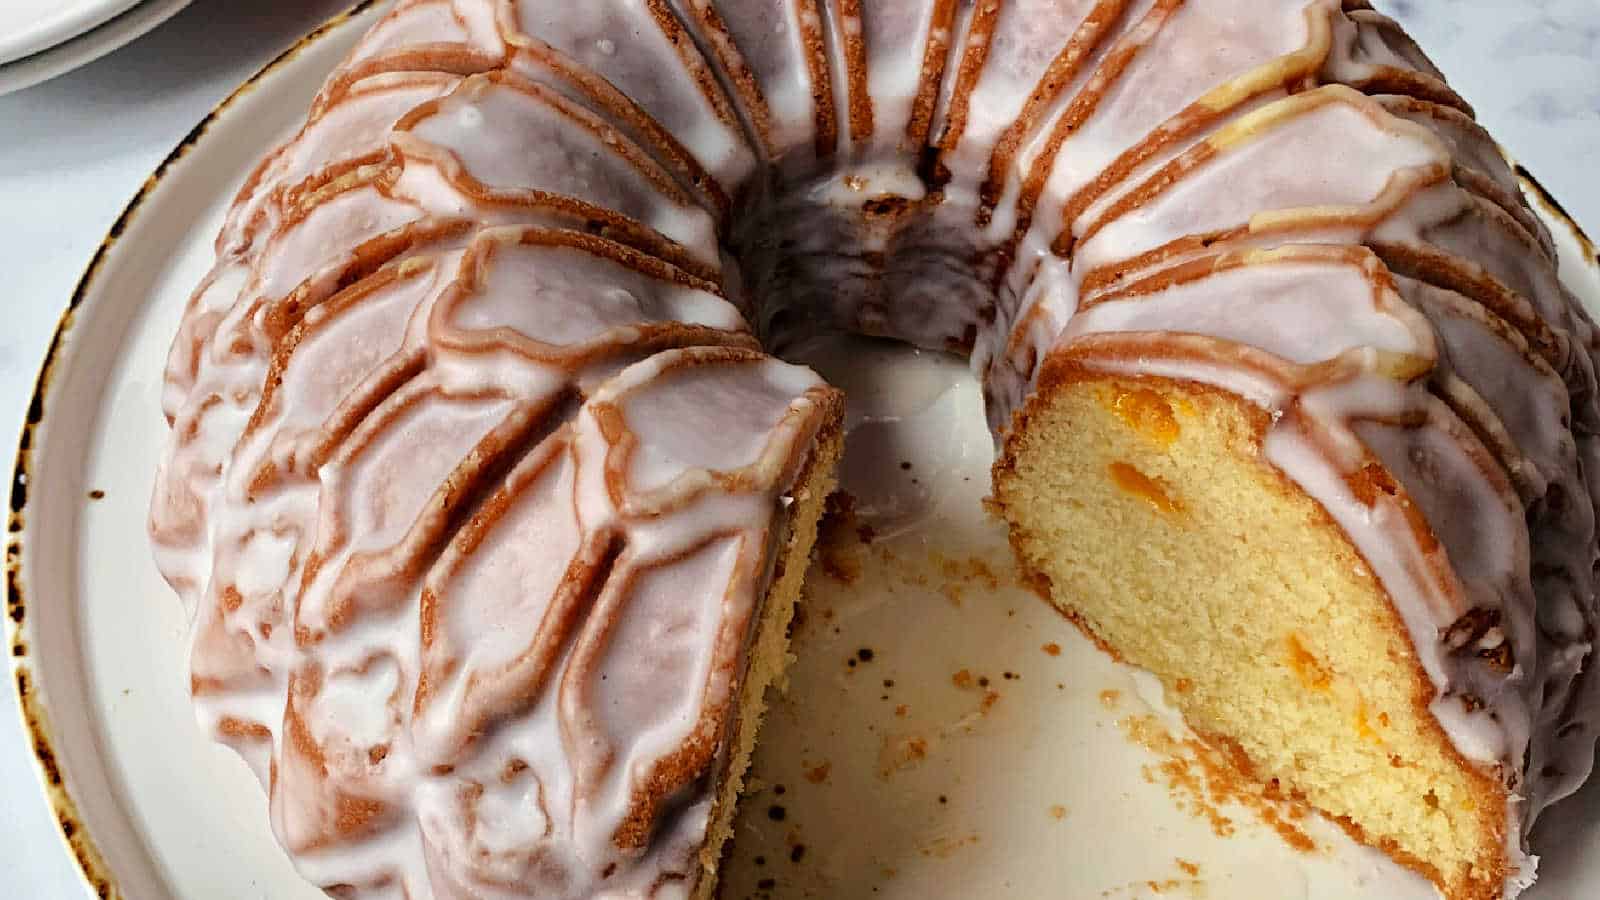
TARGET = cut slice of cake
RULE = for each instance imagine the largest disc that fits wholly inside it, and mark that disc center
(1277, 515)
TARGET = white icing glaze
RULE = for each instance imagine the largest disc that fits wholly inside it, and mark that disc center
(428, 27)
(474, 538)
(486, 121)
(352, 127)
(1249, 170)
(629, 43)
(772, 55)
(895, 40)
(1305, 307)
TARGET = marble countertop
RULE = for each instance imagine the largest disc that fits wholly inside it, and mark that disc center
(74, 150)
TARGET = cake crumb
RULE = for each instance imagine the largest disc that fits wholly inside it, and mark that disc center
(946, 847)
(980, 570)
(818, 774)
(1291, 835)
(1191, 869)
(962, 679)
(1109, 698)
(1201, 779)
(840, 565)
(838, 540)
(1052, 649)
(1058, 812)
(899, 753)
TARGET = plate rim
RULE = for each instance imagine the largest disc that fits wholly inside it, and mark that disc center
(30, 692)
(54, 782)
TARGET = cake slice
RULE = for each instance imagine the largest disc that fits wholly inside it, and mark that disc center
(1221, 510)
(1255, 464)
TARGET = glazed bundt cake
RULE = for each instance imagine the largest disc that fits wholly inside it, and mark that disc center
(493, 508)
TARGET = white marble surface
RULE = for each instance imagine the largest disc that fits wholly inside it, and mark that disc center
(74, 150)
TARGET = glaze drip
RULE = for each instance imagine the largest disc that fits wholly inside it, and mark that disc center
(477, 468)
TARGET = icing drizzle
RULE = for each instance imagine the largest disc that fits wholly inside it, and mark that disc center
(477, 469)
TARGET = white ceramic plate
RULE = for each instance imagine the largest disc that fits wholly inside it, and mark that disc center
(125, 22)
(943, 734)
(28, 26)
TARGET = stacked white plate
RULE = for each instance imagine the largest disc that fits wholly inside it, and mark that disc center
(41, 39)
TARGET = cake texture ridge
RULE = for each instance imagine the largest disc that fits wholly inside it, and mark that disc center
(490, 491)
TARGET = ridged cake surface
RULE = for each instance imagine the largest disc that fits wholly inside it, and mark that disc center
(481, 478)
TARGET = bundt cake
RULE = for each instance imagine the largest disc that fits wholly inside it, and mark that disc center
(493, 507)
